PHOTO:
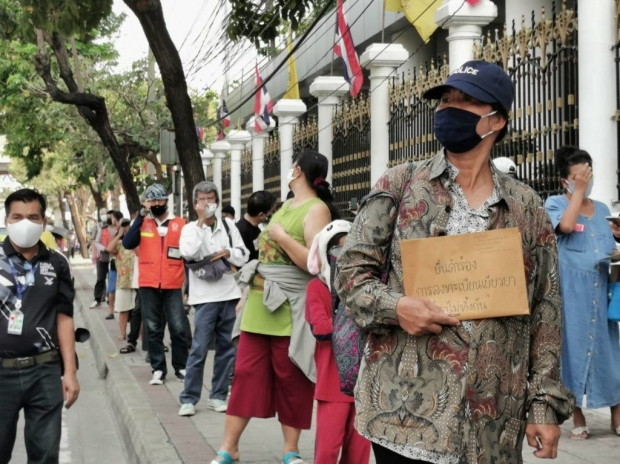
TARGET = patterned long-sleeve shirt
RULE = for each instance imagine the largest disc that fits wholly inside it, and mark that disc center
(466, 394)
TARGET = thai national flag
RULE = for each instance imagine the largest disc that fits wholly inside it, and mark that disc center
(345, 49)
(222, 113)
(263, 106)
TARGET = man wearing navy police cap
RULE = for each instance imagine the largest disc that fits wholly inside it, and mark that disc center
(435, 389)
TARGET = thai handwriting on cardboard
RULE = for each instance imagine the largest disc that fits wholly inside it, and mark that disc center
(470, 276)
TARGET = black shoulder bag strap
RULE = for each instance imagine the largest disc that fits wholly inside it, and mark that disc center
(227, 231)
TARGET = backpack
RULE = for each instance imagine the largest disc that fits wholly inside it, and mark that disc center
(348, 340)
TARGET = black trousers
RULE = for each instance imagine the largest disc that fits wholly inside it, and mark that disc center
(38, 391)
(101, 289)
(386, 456)
(135, 323)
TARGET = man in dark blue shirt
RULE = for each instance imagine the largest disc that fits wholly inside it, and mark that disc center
(36, 332)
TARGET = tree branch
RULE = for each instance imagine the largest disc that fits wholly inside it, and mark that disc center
(43, 68)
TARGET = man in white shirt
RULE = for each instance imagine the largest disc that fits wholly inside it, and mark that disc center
(214, 294)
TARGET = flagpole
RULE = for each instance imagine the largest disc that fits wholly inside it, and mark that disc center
(383, 22)
(331, 70)
(227, 55)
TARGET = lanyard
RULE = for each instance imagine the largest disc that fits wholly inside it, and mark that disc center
(21, 288)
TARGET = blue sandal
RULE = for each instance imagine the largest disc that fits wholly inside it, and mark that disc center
(228, 459)
(292, 458)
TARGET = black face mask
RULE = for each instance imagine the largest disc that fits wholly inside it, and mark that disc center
(455, 129)
(159, 210)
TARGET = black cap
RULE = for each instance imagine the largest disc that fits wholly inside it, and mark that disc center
(484, 81)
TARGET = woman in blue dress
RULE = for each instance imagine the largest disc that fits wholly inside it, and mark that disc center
(591, 347)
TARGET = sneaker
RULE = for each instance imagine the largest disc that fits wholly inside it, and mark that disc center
(158, 378)
(109, 317)
(217, 405)
(181, 375)
(187, 409)
(94, 304)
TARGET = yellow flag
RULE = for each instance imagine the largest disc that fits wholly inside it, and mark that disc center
(394, 6)
(420, 13)
(293, 84)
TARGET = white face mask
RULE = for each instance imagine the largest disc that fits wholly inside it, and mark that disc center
(25, 233)
(104, 218)
(210, 210)
(290, 177)
(587, 193)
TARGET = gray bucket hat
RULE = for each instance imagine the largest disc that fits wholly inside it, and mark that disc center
(207, 270)
(156, 192)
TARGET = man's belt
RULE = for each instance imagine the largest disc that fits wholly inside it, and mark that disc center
(29, 361)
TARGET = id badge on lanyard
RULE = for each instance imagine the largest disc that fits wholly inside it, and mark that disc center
(16, 322)
(16, 318)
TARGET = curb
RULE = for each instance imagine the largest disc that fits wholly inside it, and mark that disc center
(143, 436)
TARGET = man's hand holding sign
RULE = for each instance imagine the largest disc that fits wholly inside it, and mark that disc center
(462, 277)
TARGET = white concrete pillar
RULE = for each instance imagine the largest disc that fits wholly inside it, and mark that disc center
(220, 149)
(237, 140)
(464, 23)
(206, 156)
(382, 60)
(329, 90)
(287, 111)
(597, 78)
(258, 152)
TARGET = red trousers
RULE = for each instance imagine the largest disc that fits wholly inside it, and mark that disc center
(267, 382)
(335, 431)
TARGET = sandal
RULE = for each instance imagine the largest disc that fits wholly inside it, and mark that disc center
(580, 433)
(292, 458)
(129, 348)
(228, 459)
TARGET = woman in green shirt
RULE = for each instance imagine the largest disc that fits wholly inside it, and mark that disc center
(274, 371)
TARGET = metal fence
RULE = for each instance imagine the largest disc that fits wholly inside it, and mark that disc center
(272, 164)
(306, 135)
(411, 117)
(226, 181)
(541, 58)
(246, 179)
(351, 150)
(209, 171)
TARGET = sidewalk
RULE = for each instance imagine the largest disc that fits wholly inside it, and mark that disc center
(196, 439)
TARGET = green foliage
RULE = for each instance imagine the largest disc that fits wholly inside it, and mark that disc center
(269, 22)
(66, 16)
(265, 21)
(50, 141)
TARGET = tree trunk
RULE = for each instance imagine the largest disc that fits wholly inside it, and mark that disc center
(77, 224)
(99, 200)
(61, 207)
(151, 17)
(116, 201)
(92, 108)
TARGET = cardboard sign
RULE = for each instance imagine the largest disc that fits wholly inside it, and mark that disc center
(471, 276)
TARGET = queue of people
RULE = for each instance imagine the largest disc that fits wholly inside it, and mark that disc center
(431, 388)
